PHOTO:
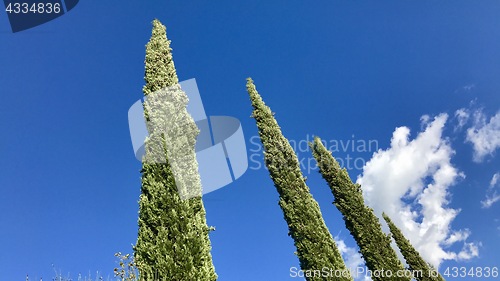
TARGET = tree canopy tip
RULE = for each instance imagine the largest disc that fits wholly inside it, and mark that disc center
(317, 142)
(156, 21)
(312, 144)
(158, 25)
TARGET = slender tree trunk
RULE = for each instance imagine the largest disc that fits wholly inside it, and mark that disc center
(374, 244)
(422, 270)
(316, 248)
(173, 241)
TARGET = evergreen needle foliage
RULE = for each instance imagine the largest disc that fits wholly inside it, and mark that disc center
(411, 255)
(316, 248)
(173, 241)
(374, 244)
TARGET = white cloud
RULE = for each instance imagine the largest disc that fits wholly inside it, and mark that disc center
(492, 195)
(469, 251)
(484, 136)
(490, 200)
(457, 236)
(466, 89)
(462, 115)
(469, 87)
(409, 181)
(352, 259)
(494, 180)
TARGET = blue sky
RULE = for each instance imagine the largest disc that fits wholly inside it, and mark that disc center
(423, 74)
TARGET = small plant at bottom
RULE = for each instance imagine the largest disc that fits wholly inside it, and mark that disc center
(128, 269)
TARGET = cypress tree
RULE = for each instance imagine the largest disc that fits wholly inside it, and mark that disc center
(360, 220)
(422, 270)
(315, 246)
(173, 241)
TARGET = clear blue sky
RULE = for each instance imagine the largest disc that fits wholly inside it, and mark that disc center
(343, 70)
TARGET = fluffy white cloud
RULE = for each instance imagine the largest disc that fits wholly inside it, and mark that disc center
(462, 115)
(469, 251)
(409, 181)
(492, 195)
(457, 236)
(353, 260)
(484, 135)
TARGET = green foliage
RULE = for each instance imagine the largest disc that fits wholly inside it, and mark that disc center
(173, 242)
(160, 69)
(316, 248)
(415, 262)
(374, 244)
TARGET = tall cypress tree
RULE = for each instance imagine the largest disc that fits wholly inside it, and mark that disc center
(422, 270)
(316, 248)
(374, 244)
(173, 242)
